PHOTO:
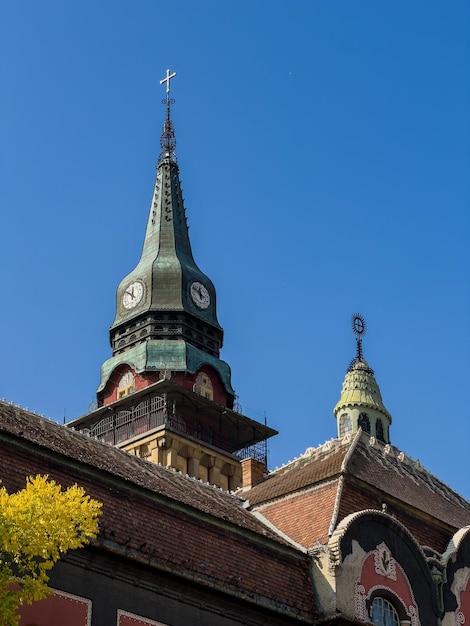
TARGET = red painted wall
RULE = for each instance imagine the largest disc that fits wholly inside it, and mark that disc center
(186, 380)
(220, 394)
(401, 587)
(59, 609)
(381, 576)
(128, 619)
(465, 603)
(109, 393)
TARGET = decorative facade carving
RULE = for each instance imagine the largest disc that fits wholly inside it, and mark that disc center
(360, 606)
(459, 618)
(366, 588)
(203, 386)
(384, 562)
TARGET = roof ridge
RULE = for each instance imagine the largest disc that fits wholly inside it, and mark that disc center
(339, 492)
(312, 452)
(350, 452)
(337, 536)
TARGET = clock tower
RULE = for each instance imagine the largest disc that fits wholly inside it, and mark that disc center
(165, 393)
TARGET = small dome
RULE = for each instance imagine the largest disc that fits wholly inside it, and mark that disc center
(360, 389)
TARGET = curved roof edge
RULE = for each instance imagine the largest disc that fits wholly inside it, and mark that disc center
(454, 544)
(334, 544)
(177, 356)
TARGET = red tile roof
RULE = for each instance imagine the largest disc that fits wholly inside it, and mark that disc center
(148, 475)
(305, 501)
(315, 466)
(391, 471)
(161, 518)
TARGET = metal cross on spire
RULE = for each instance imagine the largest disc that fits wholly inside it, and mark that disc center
(167, 79)
(168, 140)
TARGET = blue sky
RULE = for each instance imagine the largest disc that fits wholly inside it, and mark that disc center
(324, 150)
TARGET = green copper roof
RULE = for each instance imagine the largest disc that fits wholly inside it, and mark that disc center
(360, 389)
(173, 355)
(166, 268)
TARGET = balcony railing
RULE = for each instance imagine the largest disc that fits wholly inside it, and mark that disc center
(121, 425)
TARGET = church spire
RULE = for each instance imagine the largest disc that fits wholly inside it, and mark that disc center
(166, 315)
(360, 404)
(168, 139)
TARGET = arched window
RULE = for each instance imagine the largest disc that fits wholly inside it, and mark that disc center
(379, 430)
(345, 425)
(383, 613)
(364, 422)
(197, 430)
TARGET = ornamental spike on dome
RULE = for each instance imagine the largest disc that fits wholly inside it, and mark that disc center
(168, 139)
(359, 328)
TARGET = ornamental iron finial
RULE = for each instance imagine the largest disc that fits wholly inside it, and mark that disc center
(359, 328)
(168, 140)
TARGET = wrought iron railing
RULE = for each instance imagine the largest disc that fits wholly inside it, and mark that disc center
(120, 425)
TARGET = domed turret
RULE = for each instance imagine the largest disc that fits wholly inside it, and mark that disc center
(360, 404)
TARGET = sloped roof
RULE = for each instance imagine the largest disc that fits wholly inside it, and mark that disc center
(393, 472)
(155, 478)
(314, 466)
(343, 465)
(161, 518)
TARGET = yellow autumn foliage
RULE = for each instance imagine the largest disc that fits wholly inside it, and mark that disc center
(37, 525)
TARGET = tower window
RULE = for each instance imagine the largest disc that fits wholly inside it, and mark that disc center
(364, 422)
(383, 613)
(210, 435)
(345, 425)
(379, 430)
(126, 385)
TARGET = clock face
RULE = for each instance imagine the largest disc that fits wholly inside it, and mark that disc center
(200, 295)
(133, 295)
